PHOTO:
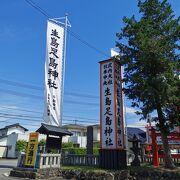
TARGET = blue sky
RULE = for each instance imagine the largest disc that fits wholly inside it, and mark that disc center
(22, 54)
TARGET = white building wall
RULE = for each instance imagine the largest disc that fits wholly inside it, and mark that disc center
(23, 137)
(65, 139)
(81, 140)
(26, 137)
(3, 151)
(3, 141)
(96, 134)
(11, 140)
(11, 143)
(15, 130)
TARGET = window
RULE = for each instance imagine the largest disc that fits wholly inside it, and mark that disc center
(76, 133)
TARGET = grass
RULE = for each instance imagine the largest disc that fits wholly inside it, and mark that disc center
(83, 168)
(143, 167)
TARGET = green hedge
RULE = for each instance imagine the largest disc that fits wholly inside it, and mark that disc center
(67, 145)
(96, 151)
(80, 151)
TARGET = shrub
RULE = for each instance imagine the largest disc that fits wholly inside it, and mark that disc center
(21, 146)
(96, 145)
(42, 142)
(79, 151)
(67, 145)
(96, 151)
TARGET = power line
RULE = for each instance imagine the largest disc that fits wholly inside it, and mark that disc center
(36, 125)
(15, 93)
(19, 115)
(82, 119)
(19, 118)
(18, 84)
(75, 35)
(82, 95)
(29, 86)
(18, 109)
(25, 110)
(38, 8)
(76, 117)
(22, 117)
(81, 103)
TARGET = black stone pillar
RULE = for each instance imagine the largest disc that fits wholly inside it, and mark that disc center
(89, 140)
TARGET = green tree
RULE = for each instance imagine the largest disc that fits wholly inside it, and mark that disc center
(21, 145)
(96, 145)
(42, 142)
(149, 51)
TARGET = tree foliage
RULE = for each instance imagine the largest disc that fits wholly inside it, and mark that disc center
(42, 142)
(21, 146)
(150, 54)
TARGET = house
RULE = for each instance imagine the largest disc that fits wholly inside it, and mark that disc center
(14, 128)
(79, 137)
(9, 135)
(96, 133)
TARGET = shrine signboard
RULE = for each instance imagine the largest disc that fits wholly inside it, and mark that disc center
(173, 137)
(111, 105)
(32, 149)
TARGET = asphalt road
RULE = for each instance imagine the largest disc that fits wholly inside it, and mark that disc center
(6, 166)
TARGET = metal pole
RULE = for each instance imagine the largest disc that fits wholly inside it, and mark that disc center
(64, 64)
(125, 117)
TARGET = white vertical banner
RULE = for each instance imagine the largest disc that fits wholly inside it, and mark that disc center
(53, 74)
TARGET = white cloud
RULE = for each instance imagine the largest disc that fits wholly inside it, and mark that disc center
(137, 124)
(130, 110)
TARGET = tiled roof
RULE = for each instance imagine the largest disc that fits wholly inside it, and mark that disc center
(14, 125)
(140, 134)
(53, 130)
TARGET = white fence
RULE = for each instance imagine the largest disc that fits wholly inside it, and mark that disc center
(74, 159)
(49, 160)
(43, 161)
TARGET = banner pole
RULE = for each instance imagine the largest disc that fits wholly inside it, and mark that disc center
(64, 64)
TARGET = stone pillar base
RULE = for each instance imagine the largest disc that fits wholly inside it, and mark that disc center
(112, 159)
